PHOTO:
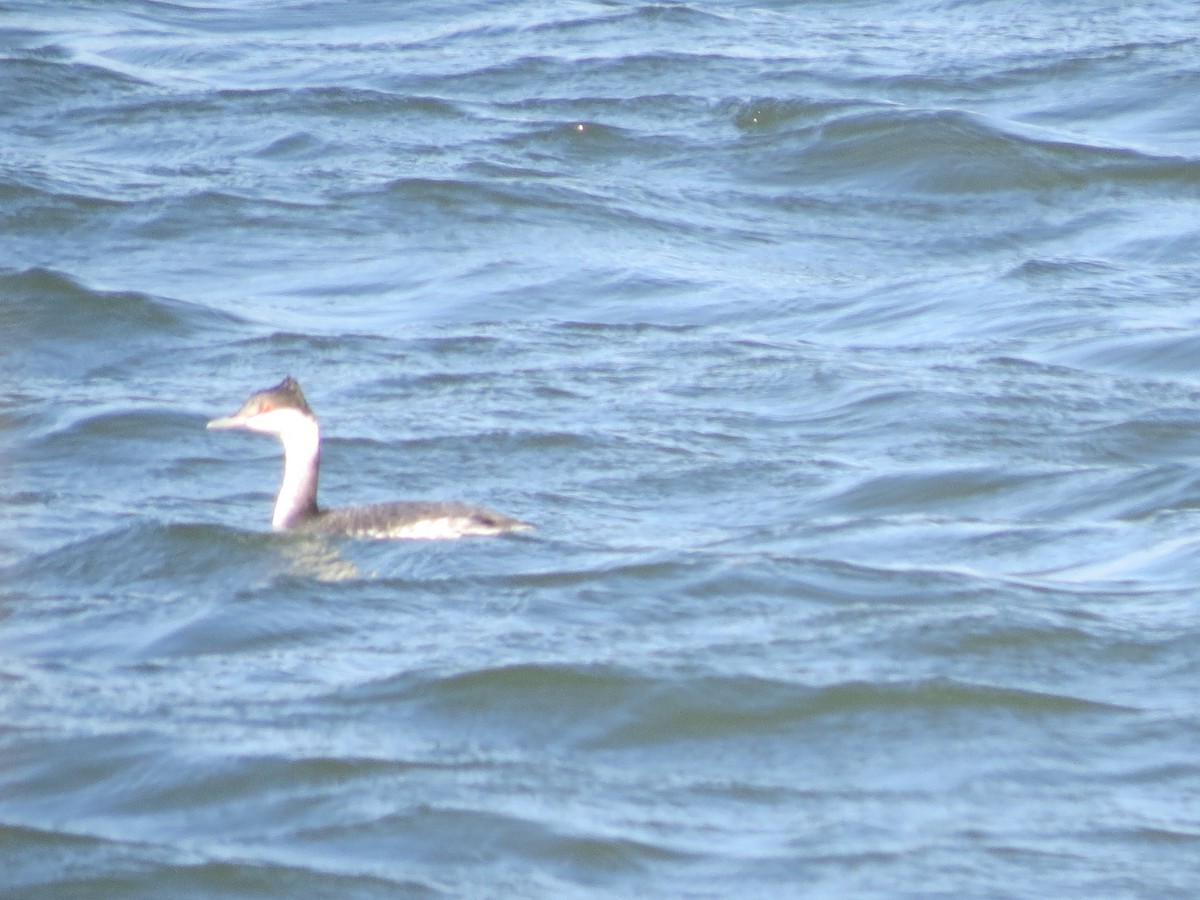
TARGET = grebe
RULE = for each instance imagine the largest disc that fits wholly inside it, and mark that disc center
(283, 412)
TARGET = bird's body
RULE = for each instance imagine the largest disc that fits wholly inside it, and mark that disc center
(410, 519)
(283, 412)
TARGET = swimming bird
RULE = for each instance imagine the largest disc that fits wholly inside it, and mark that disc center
(283, 412)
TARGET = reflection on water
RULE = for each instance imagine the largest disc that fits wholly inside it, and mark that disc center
(312, 556)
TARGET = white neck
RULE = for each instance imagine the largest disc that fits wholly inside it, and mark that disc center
(301, 439)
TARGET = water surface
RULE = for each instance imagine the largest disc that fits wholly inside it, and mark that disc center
(843, 354)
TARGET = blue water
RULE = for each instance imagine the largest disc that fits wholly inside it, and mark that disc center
(844, 355)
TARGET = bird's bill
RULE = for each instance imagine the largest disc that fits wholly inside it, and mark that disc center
(234, 421)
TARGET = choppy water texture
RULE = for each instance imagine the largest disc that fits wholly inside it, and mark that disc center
(845, 355)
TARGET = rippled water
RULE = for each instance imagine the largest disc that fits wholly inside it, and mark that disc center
(844, 355)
